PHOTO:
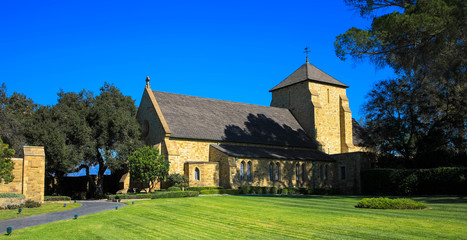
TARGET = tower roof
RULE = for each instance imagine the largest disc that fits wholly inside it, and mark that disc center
(308, 72)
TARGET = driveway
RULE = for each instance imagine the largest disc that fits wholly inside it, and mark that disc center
(88, 207)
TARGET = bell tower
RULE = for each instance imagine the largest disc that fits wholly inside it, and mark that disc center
(319, 103)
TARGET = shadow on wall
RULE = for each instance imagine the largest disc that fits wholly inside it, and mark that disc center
(264, 130)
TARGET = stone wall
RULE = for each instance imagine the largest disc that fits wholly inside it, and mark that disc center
(29, 174)
(349, 166)
(10, 201)
(208, 174)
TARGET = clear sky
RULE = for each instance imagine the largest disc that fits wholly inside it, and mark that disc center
(229, 50)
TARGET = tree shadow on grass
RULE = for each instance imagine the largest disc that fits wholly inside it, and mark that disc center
(442, 199)
(304, 196)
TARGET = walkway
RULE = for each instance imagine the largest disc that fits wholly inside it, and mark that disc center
(88, 207)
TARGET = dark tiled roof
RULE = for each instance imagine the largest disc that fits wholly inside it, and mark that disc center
(272, 153)
(308, 72)
(211, 119)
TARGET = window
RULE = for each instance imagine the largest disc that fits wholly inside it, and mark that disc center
(303, 172)
(248, 171)
(242, 171)
(271, 172)
(343, 173)
(196, 174)
(277, 172)
(328, 94)
(297, 174)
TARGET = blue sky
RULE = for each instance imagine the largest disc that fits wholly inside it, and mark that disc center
(230, 50)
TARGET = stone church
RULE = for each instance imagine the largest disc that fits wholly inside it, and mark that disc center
(304, 139)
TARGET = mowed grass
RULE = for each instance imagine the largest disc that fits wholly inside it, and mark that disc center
(249, 217)
(45, 208)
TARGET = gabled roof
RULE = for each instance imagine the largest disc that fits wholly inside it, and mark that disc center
(308, 72)
(217, 120)
(273, 153)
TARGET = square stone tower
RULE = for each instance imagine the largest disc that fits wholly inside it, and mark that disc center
(319, 103)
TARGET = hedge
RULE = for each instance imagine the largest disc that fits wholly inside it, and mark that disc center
(57, 198)
(220, 191)
(443, 180)
(11, 195)
(154, 195)
(201, 188)
(386, 203)
(290, 190)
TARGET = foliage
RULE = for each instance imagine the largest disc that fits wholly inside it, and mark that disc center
(386, 203)
(6, 164)
(444, 180)
(202, 188)
(421, 112)
(175, 194)
(285, 191)
(57, 198)
(220, 191)
(16, 116)
(30, 204)
(11, 195)
(173, 188)
(178, 180)
(148, 166)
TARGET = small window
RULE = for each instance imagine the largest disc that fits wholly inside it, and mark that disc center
(277, 172)
(328, 94)
(297, 174)
(248, 171)
(343, 173)
(271, 174)
(196, 174)
(242, 171)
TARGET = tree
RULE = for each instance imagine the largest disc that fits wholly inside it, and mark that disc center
(16, 113)
(178, 180)
(6, 165)
(422, 110)
(148, 166)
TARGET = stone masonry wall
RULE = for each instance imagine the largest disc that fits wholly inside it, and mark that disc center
(29, 174)
(16, 186)
(10, 201)
(209, 174)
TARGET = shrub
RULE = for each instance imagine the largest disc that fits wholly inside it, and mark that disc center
(220, 191)
(285, 191)
(201, 188)
(266, 190)
(294, 190)
(11, 195)
(30, 204)
(245, 189)
(176, 189)
(274, 190)
(177, 180)
(57, 198)
(318, 191)
(386, 203)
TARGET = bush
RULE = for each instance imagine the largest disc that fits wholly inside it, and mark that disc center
(11, 195)
(201, 188)
(176, 189)
(57, 198)
(285, 191)
(274, 190)
(220, 191)
(266, 190)
(245, 189)
(386, 203)
(177, 180)
(30, 204)
(444, 180)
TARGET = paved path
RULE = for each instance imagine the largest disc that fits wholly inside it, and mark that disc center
(88, 207)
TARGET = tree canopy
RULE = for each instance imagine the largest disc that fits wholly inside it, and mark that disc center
(148, 166)
(6, 165)
(423, 109)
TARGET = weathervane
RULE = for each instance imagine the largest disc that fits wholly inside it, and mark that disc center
(306, 52)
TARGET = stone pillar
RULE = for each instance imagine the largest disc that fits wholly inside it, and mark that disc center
(34, 173)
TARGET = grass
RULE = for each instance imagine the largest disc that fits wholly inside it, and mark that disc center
(245, 217)
(45, 208)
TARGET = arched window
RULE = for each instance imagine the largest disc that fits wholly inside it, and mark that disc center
(242, 171)
(271, 175)
(304, 172)
(248, 171)
(297, 174)
(277, 172)
(196, 174)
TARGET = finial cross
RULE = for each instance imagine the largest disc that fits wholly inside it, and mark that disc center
(306, 52)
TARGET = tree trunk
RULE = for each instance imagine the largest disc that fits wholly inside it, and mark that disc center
(99, 193)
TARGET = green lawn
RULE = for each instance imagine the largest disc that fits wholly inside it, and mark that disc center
(242, 217)
(45, 208)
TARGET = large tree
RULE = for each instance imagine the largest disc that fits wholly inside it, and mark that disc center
(422, 110)
(16, 114)
(6, 165)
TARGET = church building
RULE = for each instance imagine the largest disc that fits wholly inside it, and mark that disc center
(304, 139)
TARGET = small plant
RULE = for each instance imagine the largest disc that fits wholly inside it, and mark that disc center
(30, 204)
(174, 189)
(245, 189)
(285, 191)
(57, 198)
(274, 190)
(11, 195)
(178, 180)
(387, 203)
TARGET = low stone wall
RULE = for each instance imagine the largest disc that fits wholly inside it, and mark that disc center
(10, 201)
